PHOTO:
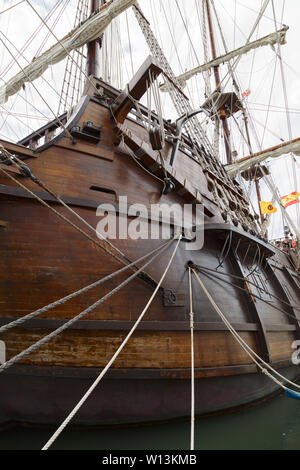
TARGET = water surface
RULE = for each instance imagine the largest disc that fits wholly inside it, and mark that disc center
(274, 425)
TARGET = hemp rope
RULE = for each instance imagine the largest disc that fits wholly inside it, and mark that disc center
(252, 354)
(70, 322)
(101, 375)
(61, 301)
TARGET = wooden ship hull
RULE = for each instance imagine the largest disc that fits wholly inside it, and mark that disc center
(44, 259)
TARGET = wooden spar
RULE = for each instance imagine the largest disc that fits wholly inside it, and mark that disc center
(92, 46)
(269, 150)
(257, 187)
(271, 39)
(256, 179)
(17, 149)
(247, 130)
(135, 89)
(280, 149)
(213, 47)
(218, 85)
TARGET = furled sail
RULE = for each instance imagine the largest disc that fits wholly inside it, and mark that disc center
(292, 146)
(86, 32)
(274, 38)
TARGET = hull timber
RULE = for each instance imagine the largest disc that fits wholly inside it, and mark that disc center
(150, 396)
(45, 259)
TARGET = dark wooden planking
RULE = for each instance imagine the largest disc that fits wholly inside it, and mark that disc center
(282, 281)
(256, 314)
(280, 344)
(146, 349)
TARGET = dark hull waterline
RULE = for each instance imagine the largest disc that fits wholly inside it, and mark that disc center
(147, 400)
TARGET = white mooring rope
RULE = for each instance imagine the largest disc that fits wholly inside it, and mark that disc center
(61, 301)
(252, 354)
(192, 439)
(108, 365)
(70, 322)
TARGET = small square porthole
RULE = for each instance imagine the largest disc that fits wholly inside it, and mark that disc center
(2, 352)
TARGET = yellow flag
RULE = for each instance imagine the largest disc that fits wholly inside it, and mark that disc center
(267, 207)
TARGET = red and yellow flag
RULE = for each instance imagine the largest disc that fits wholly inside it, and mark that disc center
(290, 199)
(246, 93)
(267, 207)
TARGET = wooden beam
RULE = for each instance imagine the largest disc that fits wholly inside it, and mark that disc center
(294, 320)
(262, 331)
(10, 168)
(150, 159)
(116, 325)
(17, 149)
(268, 150)
(291, 278)
(136, 88)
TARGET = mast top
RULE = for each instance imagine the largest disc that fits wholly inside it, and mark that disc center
(223, 116)
(92, 63)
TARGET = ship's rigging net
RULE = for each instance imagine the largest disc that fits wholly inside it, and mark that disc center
(88, 31)
(181, 103)
(73, 78)
(278, 37)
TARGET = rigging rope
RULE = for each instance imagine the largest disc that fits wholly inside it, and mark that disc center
(129, 43)
(81, 35)
(15, 116)
(21, 54)
(52, 27)
(30, 39)
(101, 375)
(13, 6)
(289, 126)
(249, 351)
(181, 104)
(192, 438)
(28, 172)
(203, 271)
(40, 95)
(250, 117)
(276, 196)
(237, 60)
(66, 101)
(70, 322)
(61, 301)
(231, 67)
(63, 46)
(58, 213)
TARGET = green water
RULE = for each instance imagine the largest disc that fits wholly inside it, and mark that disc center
(274, 425)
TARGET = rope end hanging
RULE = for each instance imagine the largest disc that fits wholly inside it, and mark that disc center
(291, 394)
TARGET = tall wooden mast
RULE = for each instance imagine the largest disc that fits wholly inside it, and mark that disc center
(218, 84)
(223, 116)
(92, 62)
(256, 179)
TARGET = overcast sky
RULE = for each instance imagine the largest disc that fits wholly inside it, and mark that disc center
(258, 71)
